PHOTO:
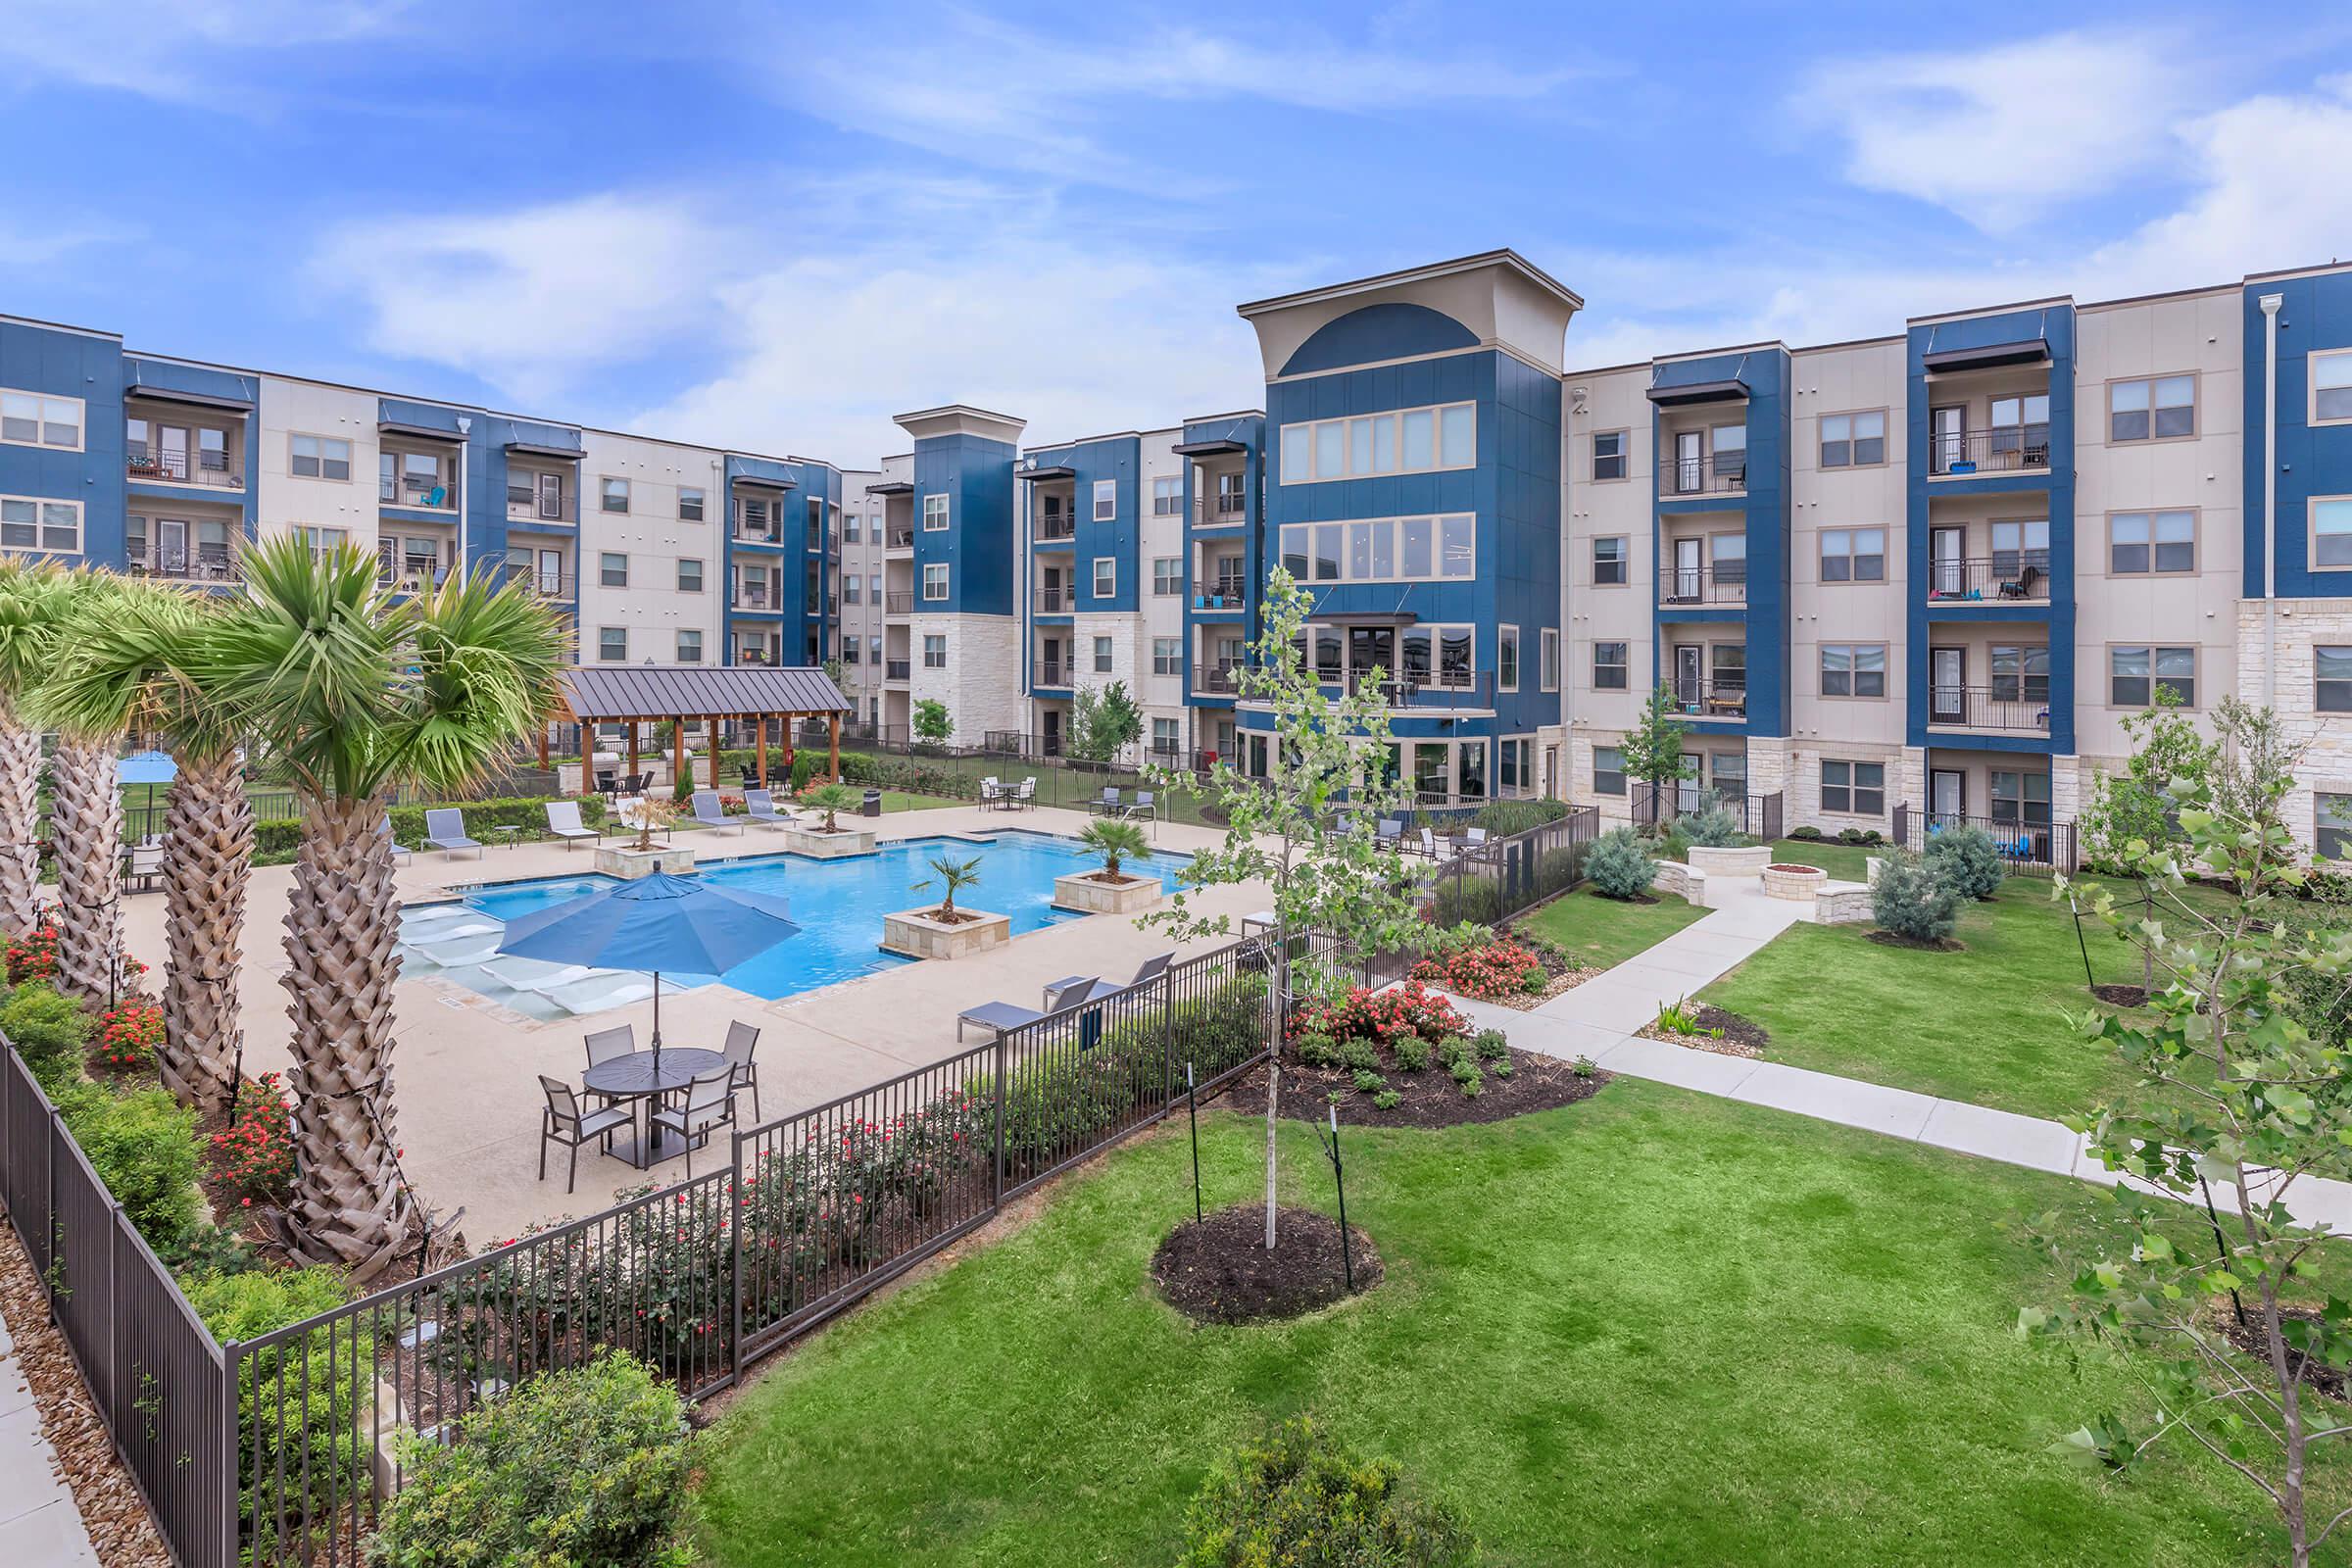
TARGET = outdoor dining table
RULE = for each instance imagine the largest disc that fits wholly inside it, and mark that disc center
(633, 1078)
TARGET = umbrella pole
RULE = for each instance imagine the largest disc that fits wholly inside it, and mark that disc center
(656, 1027)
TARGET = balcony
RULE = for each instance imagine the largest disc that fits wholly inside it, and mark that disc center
(1716, 474)
(2005, 449)
(412, 577)
(900, 538)
(899, 601)
(1049, 673)
(1227, 595)
(1218, 511)
(1056, 526)
(1218, 680)
(210, 470)
(753, 533)
(1444, 688)
(897, 670)
(753, 655)
(752, 596)
(552, 511)
(1056, 601)
(1711, 699)
(2019, 577)
(2005, 709)
(1704, 585)
(541, 584)
(209, 564)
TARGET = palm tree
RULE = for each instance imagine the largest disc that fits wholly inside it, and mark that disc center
(31, 598)
(953, 876)
(1114, 841)
(357, 694)
(829, 798)
(85, 806)
(136, 666)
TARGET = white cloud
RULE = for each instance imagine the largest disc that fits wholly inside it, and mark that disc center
(180, 51)
(2002, 135)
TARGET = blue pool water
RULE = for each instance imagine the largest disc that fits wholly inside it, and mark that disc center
(840, 904)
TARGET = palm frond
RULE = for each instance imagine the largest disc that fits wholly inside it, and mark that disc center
(126, 658)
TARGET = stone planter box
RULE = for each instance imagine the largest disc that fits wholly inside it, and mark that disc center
(1798, 882)
(818, 845)
(629, 864)
(1083, 892)
(913, 934)
(1749, 861)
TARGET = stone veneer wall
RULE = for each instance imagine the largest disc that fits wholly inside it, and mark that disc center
(2324, 740)
(982, 683)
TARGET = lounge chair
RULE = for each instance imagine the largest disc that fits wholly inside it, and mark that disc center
(1149, 971)
(537, 975)
(759, 805)
(566, 1124)
(445, 830)
(1005, 1015)
(708, 812)
(564, 822)
(1106, 804)
(601, 994)
(458, 952)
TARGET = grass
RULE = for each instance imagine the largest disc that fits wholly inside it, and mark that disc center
(1845, 861)
(1654, 1328)
(1602, 931)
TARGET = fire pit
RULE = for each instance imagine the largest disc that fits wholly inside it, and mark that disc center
(1782, 881)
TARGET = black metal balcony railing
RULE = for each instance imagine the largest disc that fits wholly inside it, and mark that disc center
(173, 467)
(1223, 594)
(2027, 845)
(750, 596)
(899, 601)
(1718, 584)
(1053, 525)
(2018, 575)
(1719, 698)
(1215, 512)
(540, 584)
(2004, 449)
(900, 539)
(744, 533)
(1438, 688)
(1218, 681)
(1054, 601)
(1051, 675)
(1716, 474)
(2016, 709)
(897, 670)
(752, 656)
(209, 564)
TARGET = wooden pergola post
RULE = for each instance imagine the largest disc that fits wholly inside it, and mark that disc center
(677, 751)
(633, 748)
(542, 726)
(761, 720)
(836, 739)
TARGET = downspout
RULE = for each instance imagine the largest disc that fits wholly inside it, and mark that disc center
(2270, 303)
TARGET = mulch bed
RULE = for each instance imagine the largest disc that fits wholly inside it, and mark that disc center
(2121, 996)
(2319, 1377)
(1888, 939)
(120, 1530)
(1742, 1037)
(1429, 1098)
(1217, 1269)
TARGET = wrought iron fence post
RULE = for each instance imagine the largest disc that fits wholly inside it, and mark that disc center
(1167, 1039)
(231, 1435)
(996, 1197)
(735, 1263)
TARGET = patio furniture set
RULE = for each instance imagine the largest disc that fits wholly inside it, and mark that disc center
(445, 827)
(669, 1101)
(1111, 803)
(1067, 995)
(1001, 796)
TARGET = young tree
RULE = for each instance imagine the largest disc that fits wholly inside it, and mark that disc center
(1115, 840)
(1102, 721)
(1339, 896)
(952, 876)
(1654, 750)
(2133, 804)
(931, 721)
(2244, 1103)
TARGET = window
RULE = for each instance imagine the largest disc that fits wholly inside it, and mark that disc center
(1611, 562)
(1167, 576)
(2021, 673)
(1382, 549)
(849, 529)
(2157, 410)
(2131, 671)
(690, 647)
(1608, 770)
(849, 650)
(935, 580)
(2021, 431)
(1167, 494)
(1164, 736)
(1407, 441)
(613, 644)
(2019, 548)
(36, 419)
(935, 652)
(1729, 443)
(1506, 659)
(2140, 542)
(935, 514)
(322, 540)
(615, 494)
(1853, 440)
(1853, 789)
(2331, 387)
(852, 589)
(2021, 798)
(1609, 454)
(1106, 576)
(873, 650)
(873, 589)
(2331, 534)
(1101, 656)
(1106, 499)
(612, 570)
(1853, 554)
(1612, 666)
(2331, 669)
(1548, 651)
(320, 456)
(689, 505)
(2332, 824)
(29, 523)
(1167, 656)
(1853, 669)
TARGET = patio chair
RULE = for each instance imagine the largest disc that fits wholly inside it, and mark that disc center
(992, 793)
(708, 812)
(564, 1122)
(607, 783)
(399, 851)
(1146, 972)
(1429, 842)
(1007, 1015)
(742, 1041)
(564, 822)
(145, 864)
(1474, 838)
(445, 830)
(1104, 805)
(606, 1043)
(710, 1104)
(1142, 806)
(759, 805)
(1390, 831)
(1025, 798)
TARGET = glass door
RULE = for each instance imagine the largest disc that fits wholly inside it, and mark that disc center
(1688, 461)
(1688, 662)
(1946, 572)
(1947, 796)
(1948, 686)
(1689, 569)
(1947, 438)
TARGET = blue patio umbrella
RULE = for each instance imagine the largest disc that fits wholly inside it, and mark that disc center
(149, 769)
(682, 924)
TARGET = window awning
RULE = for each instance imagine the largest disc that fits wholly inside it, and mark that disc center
(1667, 397)
(418, 432)
(194, 399)
(532, 448)
(1210, 449)
(762, 482)
(1058, 471)
(1990, 356)
(894, 487)
(1367, 617)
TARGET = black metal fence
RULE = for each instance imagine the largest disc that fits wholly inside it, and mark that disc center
(1760, 817)
(1494, 881)
(2038, 848)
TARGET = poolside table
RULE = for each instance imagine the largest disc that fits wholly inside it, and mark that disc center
(632, 1078)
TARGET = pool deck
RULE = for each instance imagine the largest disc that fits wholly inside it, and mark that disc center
(468, 1069)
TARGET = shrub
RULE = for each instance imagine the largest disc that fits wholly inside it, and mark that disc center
(1911, 900)
(1412, 1055)
(1468, 897)
(1808, 832)
(1491, 1046)
(143, 1145)
(1860, 836)
(33, 956)
(1502, 818)
(127, 1035)
(1493, 965)
(1965, 857)
(1387, 1100)
(1714, 828)
(1453, 1050)
(1465, 1070)
(585, 1467)
(1359, 1054)
(1502, 1068)
(1368, 1082)
(1618, 865)
(1318, 1050)
(1298, 1496)
(50, 1031)
(1584, 1066)
(255, 1153)
(1407, 1012)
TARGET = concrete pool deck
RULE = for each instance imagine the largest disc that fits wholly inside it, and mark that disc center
(468, 1069)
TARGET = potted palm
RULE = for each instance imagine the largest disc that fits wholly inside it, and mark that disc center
(1112, 890)
(828, 840)
(642, 857)
(943, 931)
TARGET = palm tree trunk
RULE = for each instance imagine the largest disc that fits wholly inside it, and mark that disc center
(86, 810)
(350, 1207)
(20, 827)
(207, 858)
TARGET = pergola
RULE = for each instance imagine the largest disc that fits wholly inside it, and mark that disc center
(671, 694)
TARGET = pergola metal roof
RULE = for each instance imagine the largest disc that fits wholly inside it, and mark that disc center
(621, 693)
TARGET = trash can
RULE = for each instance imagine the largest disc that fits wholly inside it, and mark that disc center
(872, 805)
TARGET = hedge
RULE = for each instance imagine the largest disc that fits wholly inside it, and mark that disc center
(278, 840)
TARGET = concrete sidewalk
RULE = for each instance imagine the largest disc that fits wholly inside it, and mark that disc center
(39, 1522)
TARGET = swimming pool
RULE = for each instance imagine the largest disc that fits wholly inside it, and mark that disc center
(839, 906)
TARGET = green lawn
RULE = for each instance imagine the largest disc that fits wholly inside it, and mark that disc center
(1845, 861)
(1985, 1024)
(1654, 1328)
(1602, 931)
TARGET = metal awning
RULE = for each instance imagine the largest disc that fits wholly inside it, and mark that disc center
(1990, 356)
(1056, 471)
(1366, 617)
(1667, 397)
(651, 693)
(420, 433)
(894, 487)
(197, 400)
(765, 483)
(532, 448)
(1210, 449)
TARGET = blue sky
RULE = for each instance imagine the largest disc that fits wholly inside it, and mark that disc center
(773, 226)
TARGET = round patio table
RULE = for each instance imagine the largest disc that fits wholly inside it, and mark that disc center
(632, 1077)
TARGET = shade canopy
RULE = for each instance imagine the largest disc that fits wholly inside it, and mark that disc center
(147, 767)
(682, 924)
